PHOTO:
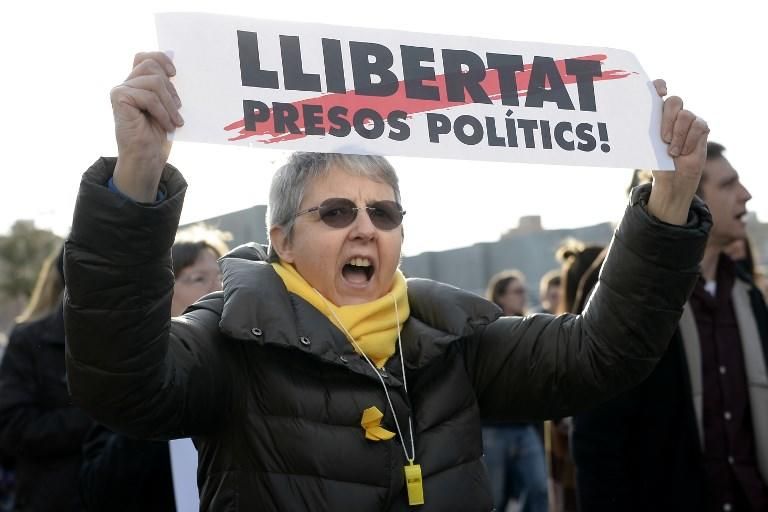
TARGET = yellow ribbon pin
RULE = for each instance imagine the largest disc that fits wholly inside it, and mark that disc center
(371, 423)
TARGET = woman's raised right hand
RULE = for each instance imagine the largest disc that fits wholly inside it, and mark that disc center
(146, 108)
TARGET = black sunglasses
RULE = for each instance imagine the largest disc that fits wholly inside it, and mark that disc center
(339, 212)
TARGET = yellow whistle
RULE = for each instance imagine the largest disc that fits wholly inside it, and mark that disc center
(414, 484)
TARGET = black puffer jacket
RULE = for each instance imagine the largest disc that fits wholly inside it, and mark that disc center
(38, 423)
(122, 474)
(274, 393)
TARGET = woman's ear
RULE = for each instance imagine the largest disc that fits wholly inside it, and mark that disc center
(281, 244)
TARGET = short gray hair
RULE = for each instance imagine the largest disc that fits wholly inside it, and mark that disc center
(290, 181)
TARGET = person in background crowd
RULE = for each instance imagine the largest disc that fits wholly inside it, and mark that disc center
(577, 260)
(39, 426)
(743, 254)
(550, 289)
(320, 378)
(761, 279)
(120, 473)
(195, 255)
(7, 473)
(508, 290)
(514, 452)
(7, 484)
(694, 434)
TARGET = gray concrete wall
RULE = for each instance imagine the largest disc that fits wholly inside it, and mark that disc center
(246, 225)
(471, 267)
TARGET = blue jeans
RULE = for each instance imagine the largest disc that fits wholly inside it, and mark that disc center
(514, 456)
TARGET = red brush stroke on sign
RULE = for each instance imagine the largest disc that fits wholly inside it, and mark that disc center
(399, 101)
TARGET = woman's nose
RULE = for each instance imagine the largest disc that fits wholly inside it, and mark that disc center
(363, 227)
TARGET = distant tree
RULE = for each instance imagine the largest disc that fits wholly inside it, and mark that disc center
(21, 255)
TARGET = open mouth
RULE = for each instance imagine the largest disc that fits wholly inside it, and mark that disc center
(358, 270)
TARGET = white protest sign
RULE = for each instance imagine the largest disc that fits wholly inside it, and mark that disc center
(328, 88)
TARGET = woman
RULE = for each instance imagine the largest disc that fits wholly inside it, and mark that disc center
(579, 263)
(120, 473)
(580, 267)
(514, 453)
(38, 424)
(322, 380)
(195, 255)
(507, 290)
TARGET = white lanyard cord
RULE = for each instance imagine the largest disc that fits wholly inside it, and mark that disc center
(381, 379)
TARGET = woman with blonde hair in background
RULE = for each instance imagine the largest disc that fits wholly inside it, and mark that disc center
(39, 426)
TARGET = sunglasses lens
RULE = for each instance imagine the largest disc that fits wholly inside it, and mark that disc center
(337, 212)
(386, 215)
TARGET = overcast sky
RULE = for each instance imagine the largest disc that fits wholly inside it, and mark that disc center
(60, 60)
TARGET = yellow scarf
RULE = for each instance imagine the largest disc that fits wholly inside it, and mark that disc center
(372, 325)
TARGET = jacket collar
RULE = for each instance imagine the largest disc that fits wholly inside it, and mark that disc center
(258, 308)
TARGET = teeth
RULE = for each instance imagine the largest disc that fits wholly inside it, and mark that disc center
(360, 262)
